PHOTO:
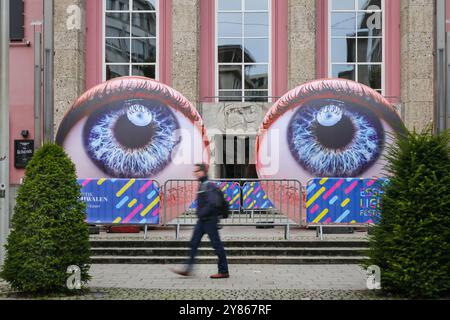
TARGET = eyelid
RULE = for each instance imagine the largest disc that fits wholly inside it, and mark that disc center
(339, 89)
(137, 88)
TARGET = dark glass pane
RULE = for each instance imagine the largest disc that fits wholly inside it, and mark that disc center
(343, 24)
(230, 77)
(256, 5)
(370, 50)
(117, 25)
(366, 4)
(230, 50)
(256, 24)
(256, 96)
(225, 5)
(149, 5)
(343, 5)
(343, 50)
(370, 75)
(117, 5)
(370, 24)
(256, 50)
(117, 50)
(114, 71)
(256, 77)
(344, 71)
(230, 24)
(230, 95)
(144, 24)
(16, 20)
(143, 50)
(144, 71)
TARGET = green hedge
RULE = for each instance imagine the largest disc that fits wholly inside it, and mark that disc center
(412, 243)
(48, 229)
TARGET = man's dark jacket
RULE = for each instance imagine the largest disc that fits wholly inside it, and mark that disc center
(207, 200)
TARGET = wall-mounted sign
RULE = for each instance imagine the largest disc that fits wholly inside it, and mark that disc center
(23, 152)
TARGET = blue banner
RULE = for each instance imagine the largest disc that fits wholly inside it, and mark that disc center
(344, 201)
(232, 193)
(121, 201)
(254, 197)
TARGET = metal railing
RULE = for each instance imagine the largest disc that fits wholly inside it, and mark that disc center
(253, 202)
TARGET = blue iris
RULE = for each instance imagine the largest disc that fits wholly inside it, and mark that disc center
(332, 138)
(132, 138)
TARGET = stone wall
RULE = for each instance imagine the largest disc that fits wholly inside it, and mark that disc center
(69, 55)
(186, 48)
(231, 118)
(417, 62)
(302, 42)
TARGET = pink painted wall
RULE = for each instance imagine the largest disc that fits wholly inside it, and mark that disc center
(321, 39)
(21, 84)
(94, 42)
(393, 40)
(94, 29)
(447, 9)
(280, 19)
(207, 50)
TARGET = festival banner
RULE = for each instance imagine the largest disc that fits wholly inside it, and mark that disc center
(121, 201)
(255, 198)
(344, 201)
(232, 192)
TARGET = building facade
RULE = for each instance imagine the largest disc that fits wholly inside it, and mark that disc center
(231, 58)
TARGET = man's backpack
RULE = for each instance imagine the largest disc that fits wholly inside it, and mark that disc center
(223, 208)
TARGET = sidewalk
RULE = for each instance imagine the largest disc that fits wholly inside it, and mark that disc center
(248, 277)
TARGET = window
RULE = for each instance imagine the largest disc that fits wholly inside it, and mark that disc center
(243, 50)
(356, 41)
(131, 38)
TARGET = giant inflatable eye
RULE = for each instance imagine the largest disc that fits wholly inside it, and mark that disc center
(326, 128)
(133, 127)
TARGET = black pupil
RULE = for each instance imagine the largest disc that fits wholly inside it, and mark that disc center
(132, 136)
(335, 137)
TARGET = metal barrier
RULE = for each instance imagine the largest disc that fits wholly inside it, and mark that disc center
(253, 202)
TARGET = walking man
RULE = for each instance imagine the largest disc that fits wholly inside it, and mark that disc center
(207, 223)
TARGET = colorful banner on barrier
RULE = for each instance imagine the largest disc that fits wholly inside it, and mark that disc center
(344, 201)
(232, 194)
(254, 197)
(121, 201)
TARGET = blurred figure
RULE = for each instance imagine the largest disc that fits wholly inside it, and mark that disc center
(207, 213)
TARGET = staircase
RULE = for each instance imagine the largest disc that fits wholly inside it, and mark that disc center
(238, 252)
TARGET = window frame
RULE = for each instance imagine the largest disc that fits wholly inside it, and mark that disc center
(330, 37)
(242, 64)
(130, 64)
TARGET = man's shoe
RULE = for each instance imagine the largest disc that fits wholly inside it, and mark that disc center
(220, 276)
(181, 273)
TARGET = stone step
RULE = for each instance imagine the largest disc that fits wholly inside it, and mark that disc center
(231, 260)
(231, 244)
(264, 251)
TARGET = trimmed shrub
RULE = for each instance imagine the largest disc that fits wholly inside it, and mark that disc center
(411, 244)
(48, 229)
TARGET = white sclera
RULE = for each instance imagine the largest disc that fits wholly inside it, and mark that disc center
(329, 116)
(139, 115)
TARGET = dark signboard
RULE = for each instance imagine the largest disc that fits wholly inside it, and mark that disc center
(23, 152)
(17, 29)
